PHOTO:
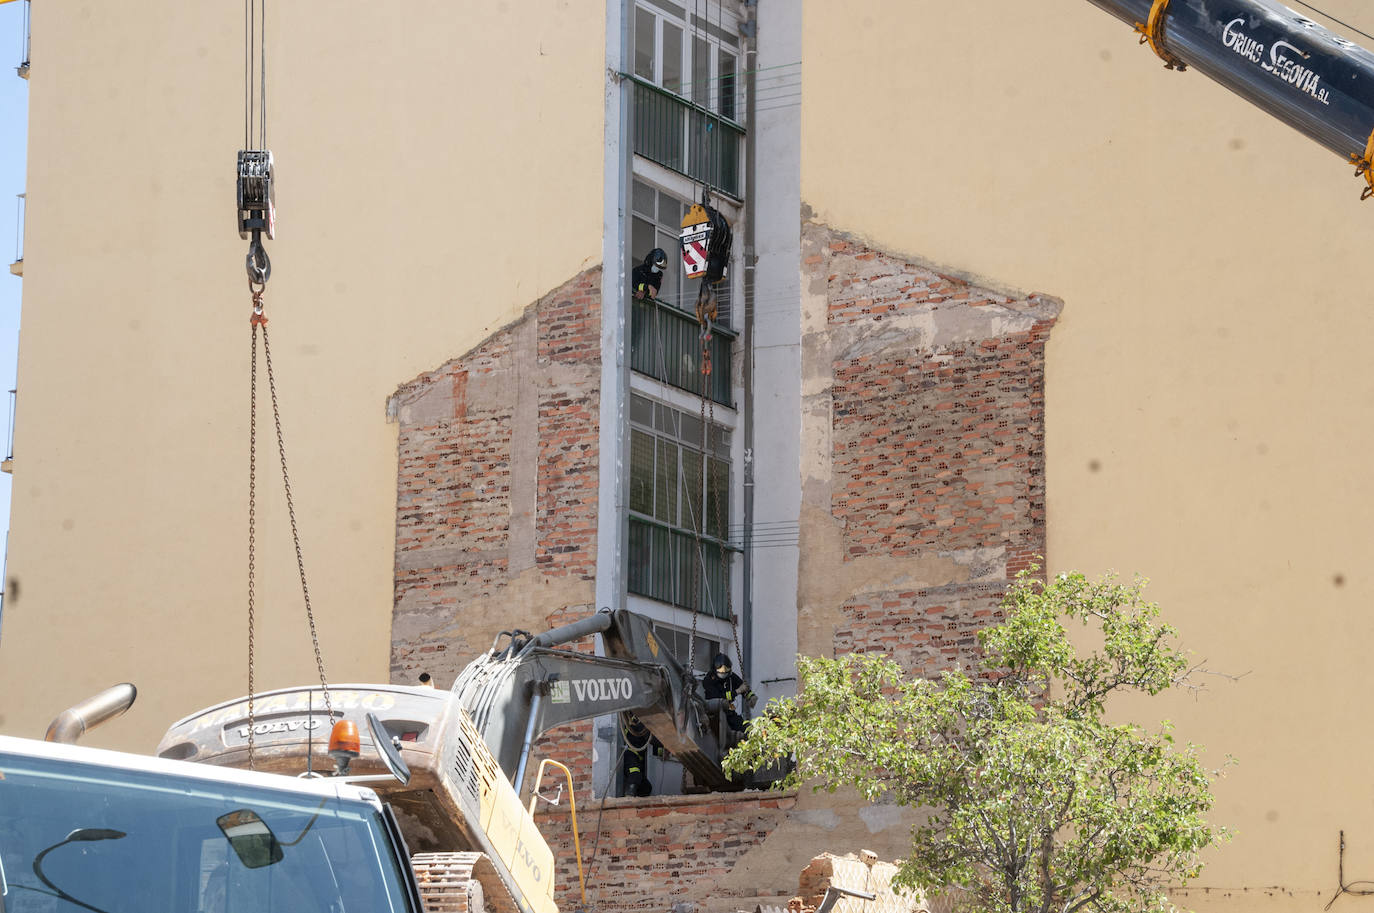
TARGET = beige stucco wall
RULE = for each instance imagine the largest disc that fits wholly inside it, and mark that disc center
(1208, 383)
(439, 168)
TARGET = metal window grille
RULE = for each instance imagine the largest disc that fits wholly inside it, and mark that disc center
(687, 137)
(665, 344)
(672, 495)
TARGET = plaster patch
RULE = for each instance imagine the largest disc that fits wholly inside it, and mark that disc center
(879, 818)
(823, 818)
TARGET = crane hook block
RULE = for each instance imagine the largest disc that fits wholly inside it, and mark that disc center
(705, 242)
(256, 195)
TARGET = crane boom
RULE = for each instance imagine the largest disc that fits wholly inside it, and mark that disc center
(1289, 66)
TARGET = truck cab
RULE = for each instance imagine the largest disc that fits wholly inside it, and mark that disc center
(104, 831)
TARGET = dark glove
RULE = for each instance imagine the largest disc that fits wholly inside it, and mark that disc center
(751, 699)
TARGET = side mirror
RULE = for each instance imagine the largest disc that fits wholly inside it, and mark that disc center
(252, 840)
(386, 747)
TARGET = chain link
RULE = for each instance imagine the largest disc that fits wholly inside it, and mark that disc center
(259, 320)
(295, 533)
(252, 514)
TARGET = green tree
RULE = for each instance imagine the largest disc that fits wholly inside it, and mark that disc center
(1034, 803)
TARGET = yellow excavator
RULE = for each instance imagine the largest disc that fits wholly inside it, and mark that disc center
(452, 764)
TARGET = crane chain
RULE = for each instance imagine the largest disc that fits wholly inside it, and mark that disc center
(707, 311)
(252, 515)
(257, 320)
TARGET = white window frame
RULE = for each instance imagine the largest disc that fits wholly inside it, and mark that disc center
(707, 21)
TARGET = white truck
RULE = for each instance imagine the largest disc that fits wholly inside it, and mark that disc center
(87, 829)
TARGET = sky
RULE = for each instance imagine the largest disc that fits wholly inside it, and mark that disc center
(14, 122)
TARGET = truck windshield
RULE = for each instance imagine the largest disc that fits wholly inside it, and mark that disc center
(75, 836)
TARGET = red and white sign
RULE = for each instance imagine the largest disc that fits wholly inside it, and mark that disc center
(694, 238)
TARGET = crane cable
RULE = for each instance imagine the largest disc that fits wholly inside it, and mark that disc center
(707, 312)
(255, 188)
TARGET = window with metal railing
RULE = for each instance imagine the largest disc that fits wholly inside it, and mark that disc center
(686, 91)
(665, 337)
(665, 344)
(679, 503)
(690, 140)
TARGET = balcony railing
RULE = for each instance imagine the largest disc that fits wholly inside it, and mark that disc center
(665, 344)
(687, 138)
(664, 565)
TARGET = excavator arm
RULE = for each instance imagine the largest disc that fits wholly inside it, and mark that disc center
(516, 693)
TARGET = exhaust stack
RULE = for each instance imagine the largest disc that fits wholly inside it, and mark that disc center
(73, 722)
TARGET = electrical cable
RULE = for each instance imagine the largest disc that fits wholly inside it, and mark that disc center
(1327, 15)
(596, 829)
(1344, 886)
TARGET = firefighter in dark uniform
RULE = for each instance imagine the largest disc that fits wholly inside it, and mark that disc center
(634, 764)
(647, 278)
(723, 683)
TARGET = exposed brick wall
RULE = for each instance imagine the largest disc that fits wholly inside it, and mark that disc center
(932, 392)
(651, 854)
(926, 631)
(497, 485)
(923, 494)
(936, 447)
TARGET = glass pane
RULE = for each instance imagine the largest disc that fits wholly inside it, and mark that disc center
(718, 505)
(672, 275)
(720, 377)
(725, 301)
(720, 442)
(690, 429)
(643, 199)
(727, 85)
(641, 411)
(644, 44)
(640, 557)
(692, 490)
(641, 472)
(706, 651)
(665, 504)
(701, 71)
(670, 210)
(684, 569)
(712, 598)
(642, 240)
(672, 57)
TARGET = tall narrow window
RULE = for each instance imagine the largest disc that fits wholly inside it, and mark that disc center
(727, 85)
(645, 43)
(672, 57)
(701, 72)
(679, 508)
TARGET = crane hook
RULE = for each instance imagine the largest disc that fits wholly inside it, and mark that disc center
(258, 264)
